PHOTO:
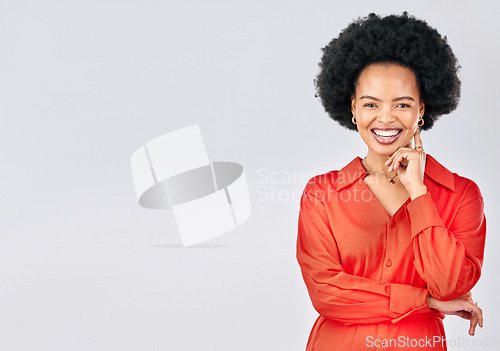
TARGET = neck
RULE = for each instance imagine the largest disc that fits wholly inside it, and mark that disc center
(377, 162)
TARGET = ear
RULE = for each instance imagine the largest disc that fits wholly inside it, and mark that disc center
(353, 105)
(421, 109)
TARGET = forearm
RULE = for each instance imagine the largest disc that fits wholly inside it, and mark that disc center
(448, 260)
(351, 299)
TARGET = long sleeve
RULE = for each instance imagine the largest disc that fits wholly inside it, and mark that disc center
(449, 259)
(334, 293)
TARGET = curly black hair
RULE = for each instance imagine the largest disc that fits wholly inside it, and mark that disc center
(400, 39)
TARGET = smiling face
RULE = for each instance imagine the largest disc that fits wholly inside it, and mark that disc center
(387, 107)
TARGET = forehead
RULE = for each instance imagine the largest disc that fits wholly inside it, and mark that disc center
(387, 79)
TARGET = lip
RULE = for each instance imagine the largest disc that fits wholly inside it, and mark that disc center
(386, 140)
(387, 128)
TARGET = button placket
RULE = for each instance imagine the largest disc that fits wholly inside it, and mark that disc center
(390, 245)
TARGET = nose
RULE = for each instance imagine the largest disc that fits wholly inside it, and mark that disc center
(386, 115)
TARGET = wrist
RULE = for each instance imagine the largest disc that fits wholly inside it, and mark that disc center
(430, 301)
(417, 191)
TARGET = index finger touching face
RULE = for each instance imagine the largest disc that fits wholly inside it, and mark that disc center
(418, 140)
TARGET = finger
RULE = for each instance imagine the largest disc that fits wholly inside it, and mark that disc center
(395, 163)
(477, 316)
(390, 158)
(399, 160)
(418, 139)
(473, 323)
(480, 319)
(390, 161)
(395, 154)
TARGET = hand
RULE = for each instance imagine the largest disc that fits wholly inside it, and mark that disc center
(410, 164)
(463, 306)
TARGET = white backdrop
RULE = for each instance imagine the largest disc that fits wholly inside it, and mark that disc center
(85, 83)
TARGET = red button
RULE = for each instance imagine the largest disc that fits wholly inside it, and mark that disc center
(388, 263)
(393, 224)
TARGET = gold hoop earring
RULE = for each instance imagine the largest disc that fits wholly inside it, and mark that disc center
(421, 120)
(353, 119)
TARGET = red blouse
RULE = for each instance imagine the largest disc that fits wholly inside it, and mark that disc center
(368, 274)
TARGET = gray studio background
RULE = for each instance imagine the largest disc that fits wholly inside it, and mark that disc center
(85, 83)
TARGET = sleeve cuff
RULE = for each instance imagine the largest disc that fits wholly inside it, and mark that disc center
(423, 214)
(406, 299)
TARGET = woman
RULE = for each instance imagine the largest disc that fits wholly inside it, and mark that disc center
(392, 242)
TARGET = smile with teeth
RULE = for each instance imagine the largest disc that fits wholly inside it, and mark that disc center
(386, 133)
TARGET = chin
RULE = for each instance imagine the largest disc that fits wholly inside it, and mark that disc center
(385, 150)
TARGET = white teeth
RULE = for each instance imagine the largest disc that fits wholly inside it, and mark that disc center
(386, 133)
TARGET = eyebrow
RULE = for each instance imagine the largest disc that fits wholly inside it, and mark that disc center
(396, 99)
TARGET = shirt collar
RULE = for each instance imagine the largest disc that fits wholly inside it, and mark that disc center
(433, 169)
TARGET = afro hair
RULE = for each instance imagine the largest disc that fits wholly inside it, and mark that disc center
(400, 39)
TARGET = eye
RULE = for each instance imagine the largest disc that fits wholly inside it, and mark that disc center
(369, 105)
(403, 105)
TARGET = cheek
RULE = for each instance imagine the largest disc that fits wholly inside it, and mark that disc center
(413, 125)
(410, 132)
(364, 120)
